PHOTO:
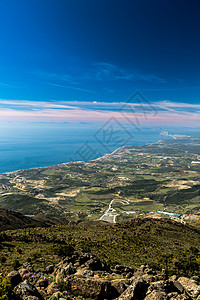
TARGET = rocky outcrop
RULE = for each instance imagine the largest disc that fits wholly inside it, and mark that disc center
(118, 287)
(86, 276)
(15, 278)
(26, 290)
(89, 287)
(190, 286)
(52, 289)
(136, 291)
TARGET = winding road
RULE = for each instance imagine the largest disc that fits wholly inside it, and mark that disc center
(110, 215)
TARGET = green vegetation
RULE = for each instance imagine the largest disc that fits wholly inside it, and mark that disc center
(5, 289)
(134, 189)
(13, 220)
(159, 243)
(140, 179)
(64, 250)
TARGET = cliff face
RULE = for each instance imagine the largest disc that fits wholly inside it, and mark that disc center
(83, 276)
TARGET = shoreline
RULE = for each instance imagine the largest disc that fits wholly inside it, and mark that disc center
(65, 163)
(78, 161)
(75, 162)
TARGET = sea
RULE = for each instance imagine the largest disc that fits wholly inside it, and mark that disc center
(32, 145)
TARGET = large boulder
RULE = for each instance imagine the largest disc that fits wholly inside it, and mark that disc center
(89, 287)
(179, 287)
(23, 271)
(118, 287)
(52, 288)
(85, 272)
(120, 269)
(94, 264)
(26, 289)
(166, 289)
(49, 269)
(157, 295)
(42, 283)
(60, 275)
(64, 271)
(136, 291)
(164, 286)
(15, 278)
(190, 286)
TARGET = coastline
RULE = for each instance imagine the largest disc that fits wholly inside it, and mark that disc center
(71, 162)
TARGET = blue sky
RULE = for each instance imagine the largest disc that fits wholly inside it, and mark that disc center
(61, 51)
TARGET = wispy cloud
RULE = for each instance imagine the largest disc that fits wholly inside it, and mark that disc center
(34, 104)
(71, 87)
(168, 113)
(109, 72)
(78, 78)
(167, 103)
(62, 80)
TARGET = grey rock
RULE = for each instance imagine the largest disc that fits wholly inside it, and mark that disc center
(15, 278)
(118, 287)
(136, 291)
(89, 287)
(196, 279)
(190, 286)
(157, 295)
(52, 288)
(84, 272)
(26, 289)
(42, 283)
(50, 269)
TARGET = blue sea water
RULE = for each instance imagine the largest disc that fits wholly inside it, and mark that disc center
(30, 145)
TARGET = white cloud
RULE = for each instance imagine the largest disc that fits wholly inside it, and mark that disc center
(75, 111)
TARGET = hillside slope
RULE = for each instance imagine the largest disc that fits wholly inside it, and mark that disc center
(10, 220)
(160, 243)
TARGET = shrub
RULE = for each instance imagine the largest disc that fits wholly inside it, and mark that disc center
(5, 289)
(16, 264)
(3, 237)
(28, 259)
(64, 250)
(19, 250)
(36, 255)
(3, 259)
(61, 285)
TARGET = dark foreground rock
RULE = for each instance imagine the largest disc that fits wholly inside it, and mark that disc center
(85, 276)
(89, 287)
(14, 277)
(25, 290)
(135, 291)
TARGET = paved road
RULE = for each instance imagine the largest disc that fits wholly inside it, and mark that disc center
(110, 215)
